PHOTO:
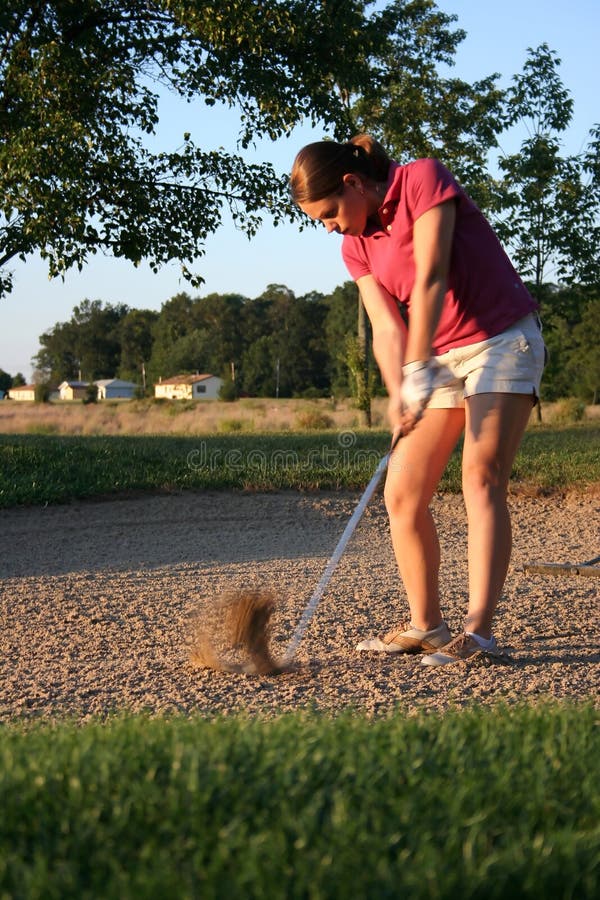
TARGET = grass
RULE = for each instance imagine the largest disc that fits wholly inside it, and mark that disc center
(249, 415)
(490, 802)
(48, 468)
(183, 417)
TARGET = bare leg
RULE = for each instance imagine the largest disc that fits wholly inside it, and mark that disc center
(413, 475)
(494, 427)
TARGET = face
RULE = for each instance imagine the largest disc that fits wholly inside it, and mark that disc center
(344, 212)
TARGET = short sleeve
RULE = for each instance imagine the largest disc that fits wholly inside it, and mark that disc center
(355, 258)
(428, 184)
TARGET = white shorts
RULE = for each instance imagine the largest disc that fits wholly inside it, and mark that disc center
(508, 363)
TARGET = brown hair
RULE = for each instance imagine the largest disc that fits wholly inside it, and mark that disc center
(319, 168)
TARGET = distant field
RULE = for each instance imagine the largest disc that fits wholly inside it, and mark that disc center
(215, 417)
(183, 416)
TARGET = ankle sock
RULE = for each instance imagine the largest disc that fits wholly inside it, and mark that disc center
(426, 630)
(484, 643)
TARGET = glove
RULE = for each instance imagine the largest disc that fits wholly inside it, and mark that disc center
(417, 386)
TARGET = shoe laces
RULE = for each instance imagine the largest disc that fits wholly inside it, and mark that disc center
(457, 643)
(391, 635)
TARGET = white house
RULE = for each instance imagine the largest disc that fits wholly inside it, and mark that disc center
(23, 392)
(189, 387)
(115, 388)
(72, 390)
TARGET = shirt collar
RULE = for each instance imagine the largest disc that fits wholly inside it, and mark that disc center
(387, 210)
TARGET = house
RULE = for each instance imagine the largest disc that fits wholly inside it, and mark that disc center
(73, 390)
(23, 392)
(189, 387)
(115, 388)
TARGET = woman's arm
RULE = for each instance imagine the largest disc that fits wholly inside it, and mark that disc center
(389, 338)
(433, 233)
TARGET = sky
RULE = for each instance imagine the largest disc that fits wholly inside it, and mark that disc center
(498, 35)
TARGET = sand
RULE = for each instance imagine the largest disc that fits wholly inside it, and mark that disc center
(97, 597)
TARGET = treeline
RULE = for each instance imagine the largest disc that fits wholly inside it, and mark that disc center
(278, 344)
(274, 344)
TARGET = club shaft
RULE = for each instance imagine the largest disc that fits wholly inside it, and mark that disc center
(335, 558)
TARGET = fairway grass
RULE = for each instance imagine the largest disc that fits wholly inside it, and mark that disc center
(495, 802)
(490, 802)
(39, 469)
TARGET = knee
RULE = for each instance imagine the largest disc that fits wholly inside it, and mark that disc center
(403, 505)
(483, 484)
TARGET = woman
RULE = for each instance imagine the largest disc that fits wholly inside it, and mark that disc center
(469, 362)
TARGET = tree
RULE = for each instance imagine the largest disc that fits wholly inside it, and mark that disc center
(219, 315)
(297, 340)
(98, 344)
(91, 394)
(340, 322)
(362, 378)
(188, 354)
(258, 367)
(547, 206)
(42, 392)
(200, 334)
(173, 323)
(57, 359)
(5, 381)
(79, 91)
(88, 343)
(404, 99)
(584, 363)
(228, 391)
(136, 339)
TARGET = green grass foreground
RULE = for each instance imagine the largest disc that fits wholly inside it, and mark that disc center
(38, 469)
(491, 802)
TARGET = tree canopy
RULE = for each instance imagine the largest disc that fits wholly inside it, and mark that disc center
(79, 96)
(274, 344)
(547, 208)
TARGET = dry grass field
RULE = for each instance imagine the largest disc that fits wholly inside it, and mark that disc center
(176, 417)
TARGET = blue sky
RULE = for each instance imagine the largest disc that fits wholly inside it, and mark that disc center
(498, 35)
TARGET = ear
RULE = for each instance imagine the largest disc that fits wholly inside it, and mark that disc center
(352, 180)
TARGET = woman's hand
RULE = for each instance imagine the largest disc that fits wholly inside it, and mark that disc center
(407, 405)
(417, 387)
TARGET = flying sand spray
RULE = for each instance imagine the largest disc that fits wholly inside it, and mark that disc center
(238, 637)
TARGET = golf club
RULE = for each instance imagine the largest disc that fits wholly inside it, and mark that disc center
(336, 556)
(246, 615)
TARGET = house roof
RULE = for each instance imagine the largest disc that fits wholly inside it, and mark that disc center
(185, 379)
(73, 384)
(22, 387)
(115, 382)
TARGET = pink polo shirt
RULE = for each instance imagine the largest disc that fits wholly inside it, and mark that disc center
(484, 293)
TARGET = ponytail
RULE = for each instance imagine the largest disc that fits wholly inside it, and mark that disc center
(378, 158)
(319, 168)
